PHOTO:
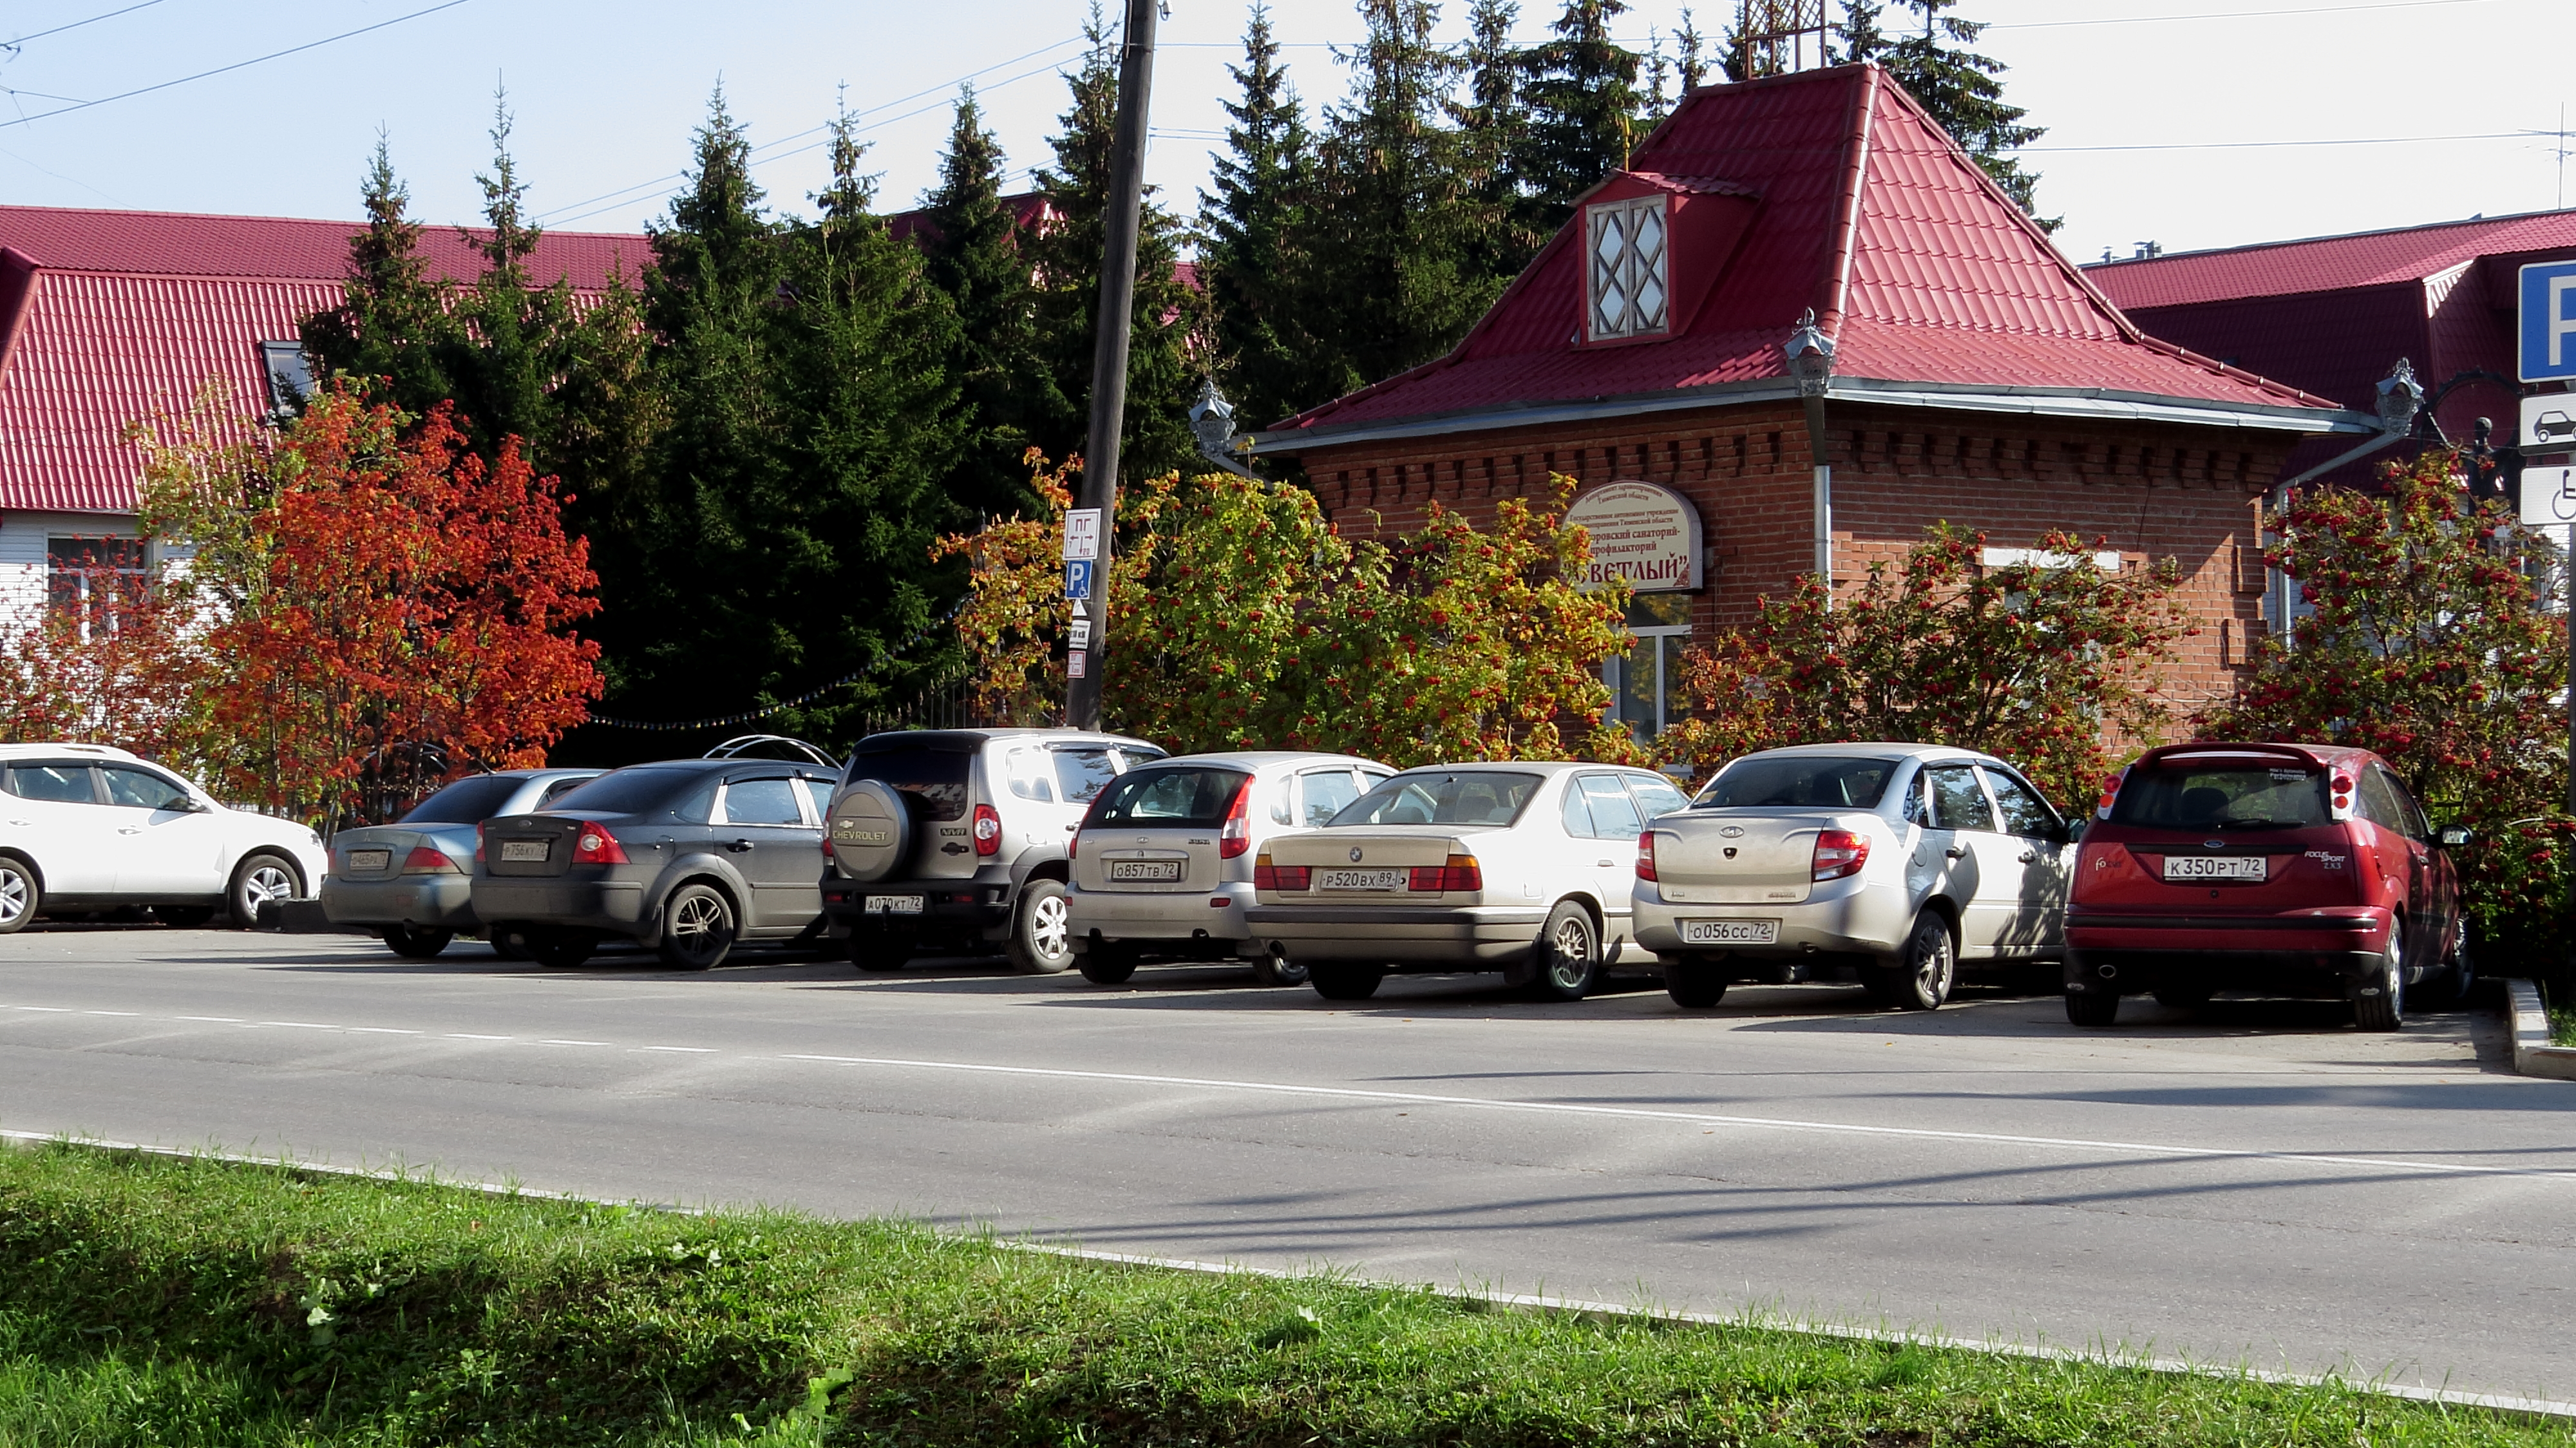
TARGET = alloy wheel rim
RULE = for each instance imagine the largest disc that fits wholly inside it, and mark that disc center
(1934, 973)
(267, 883)
(1573, 952)
(696, 922)
(13, 897)
(1050, 927)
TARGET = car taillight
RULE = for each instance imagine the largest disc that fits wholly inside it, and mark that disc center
(424, 860)
(1646, 856)
(1839, 853)
(1236, 835)
(2110, 795)
(1462, 874)
(1073, 847)
(2342, 798)
(988, 830)
(596, 846)
(478, 842)
(1267, 876)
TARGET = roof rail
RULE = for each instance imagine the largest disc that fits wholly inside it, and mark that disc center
(742, 746)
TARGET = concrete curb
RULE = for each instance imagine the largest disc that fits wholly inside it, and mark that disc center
(2532, 1053)
(2105, 1354)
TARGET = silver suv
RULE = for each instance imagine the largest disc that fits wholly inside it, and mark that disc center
(959, 837)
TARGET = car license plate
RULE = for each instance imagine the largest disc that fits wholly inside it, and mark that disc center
(530, 850)
(1730, 932)
(1363, 879)
(370, 859)
(2215, 867)
(891, 905)
(1145, 870)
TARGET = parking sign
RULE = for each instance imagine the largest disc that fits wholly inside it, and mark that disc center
(1077, 579)
(2548, 317)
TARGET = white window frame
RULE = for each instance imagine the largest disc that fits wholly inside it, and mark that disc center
(1628, 269)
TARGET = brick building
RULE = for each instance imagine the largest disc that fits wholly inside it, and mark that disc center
(1977, 378)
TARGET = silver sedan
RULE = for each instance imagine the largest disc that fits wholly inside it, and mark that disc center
(412, 881)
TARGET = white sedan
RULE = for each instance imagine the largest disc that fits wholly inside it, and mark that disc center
(84, 827)
(1523, 868)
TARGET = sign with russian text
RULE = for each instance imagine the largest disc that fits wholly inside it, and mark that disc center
(2548, 317)
(1081, 534)
(1643, 532)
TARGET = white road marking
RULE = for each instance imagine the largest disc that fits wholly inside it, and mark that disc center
(1695, 1118)
(691, 1050)
(302, 1025)
(573, 1043)
(49, 1010)
(219, 1020)
(380, 1031)
(469, 1036)
(111, 1013)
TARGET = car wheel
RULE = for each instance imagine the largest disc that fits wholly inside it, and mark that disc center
(2092, 1008)
(183, 917)
(1931, 965)
(882, 947)
(20, 896)
(2448, 988)
(1041, 940)
(1278, 970)
(510, 942)
(1108, 963)
(2184, 995)
(697, 928)
(1694, 984)
(260, 879)
(560, 949)
(1569, 953)
(2379, 1001)
(1338, 982)
(416, 944)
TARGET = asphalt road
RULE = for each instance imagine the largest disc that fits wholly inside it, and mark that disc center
(2258, 1184)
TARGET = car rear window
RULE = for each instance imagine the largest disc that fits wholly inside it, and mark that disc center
(2231, 795)
(935, 779)
(1798, 781)
(466, 802)
(1182, 795)
(1458, 797)
(631, 791)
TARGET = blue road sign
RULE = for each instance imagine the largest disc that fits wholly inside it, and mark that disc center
(1077, 579)
(2548, 331)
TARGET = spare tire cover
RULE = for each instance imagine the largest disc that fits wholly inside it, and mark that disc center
(871, 830)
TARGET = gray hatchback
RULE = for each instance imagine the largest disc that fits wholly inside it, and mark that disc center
(688, 856)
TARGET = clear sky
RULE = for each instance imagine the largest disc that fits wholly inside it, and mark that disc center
(606, 95)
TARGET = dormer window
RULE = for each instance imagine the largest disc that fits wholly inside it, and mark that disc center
(1629, 281)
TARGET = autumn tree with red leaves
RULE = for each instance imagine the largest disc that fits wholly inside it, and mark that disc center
(385, 608)
(122, 666)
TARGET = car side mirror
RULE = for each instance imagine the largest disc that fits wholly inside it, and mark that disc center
(2452, 837)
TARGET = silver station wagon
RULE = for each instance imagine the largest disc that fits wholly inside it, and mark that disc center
(1891, 863)
(1163, 864)
(1523, 868)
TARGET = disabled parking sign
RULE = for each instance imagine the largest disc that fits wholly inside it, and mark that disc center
(1077, 579)
(2547, 334)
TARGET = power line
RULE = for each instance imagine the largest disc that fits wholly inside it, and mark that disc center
(2267, 145)
(236, 65)
(2225, 15)
(77, 24)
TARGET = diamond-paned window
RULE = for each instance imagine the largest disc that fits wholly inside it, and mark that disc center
(1629, 279)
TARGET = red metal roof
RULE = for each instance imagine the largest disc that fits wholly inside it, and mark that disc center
(2326, 263)
(108, 318)
(1864, 211)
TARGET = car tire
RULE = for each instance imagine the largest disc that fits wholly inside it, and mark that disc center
(2448, 988)
(261, 878)
(413, 944)
(2384, 1009)
(1278, 970)
(1108, 962)
(1041, 940)
(2184, 995)
(1568, 953)
(1930, 968)
(510, 942)
(1339, 982)
(2092, 1008)
(698, 928)
(20, 896)
(1694, 984)
(882, 947)
(184, 917)
(559, 949)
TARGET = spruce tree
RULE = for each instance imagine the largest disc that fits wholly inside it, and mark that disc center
(975, 252)
(1691, 57)
(1958, 87)
(1582, 90)
(390, 332)
(1493, 134)
(1162, 381)
(1251, 222)
(512, 347)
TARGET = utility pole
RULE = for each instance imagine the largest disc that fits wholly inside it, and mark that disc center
(1084, 660)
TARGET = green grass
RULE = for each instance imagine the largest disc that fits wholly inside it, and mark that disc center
(2557, 998)
(149, 1300)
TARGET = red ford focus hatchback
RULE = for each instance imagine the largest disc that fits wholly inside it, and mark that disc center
(2279, 869)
